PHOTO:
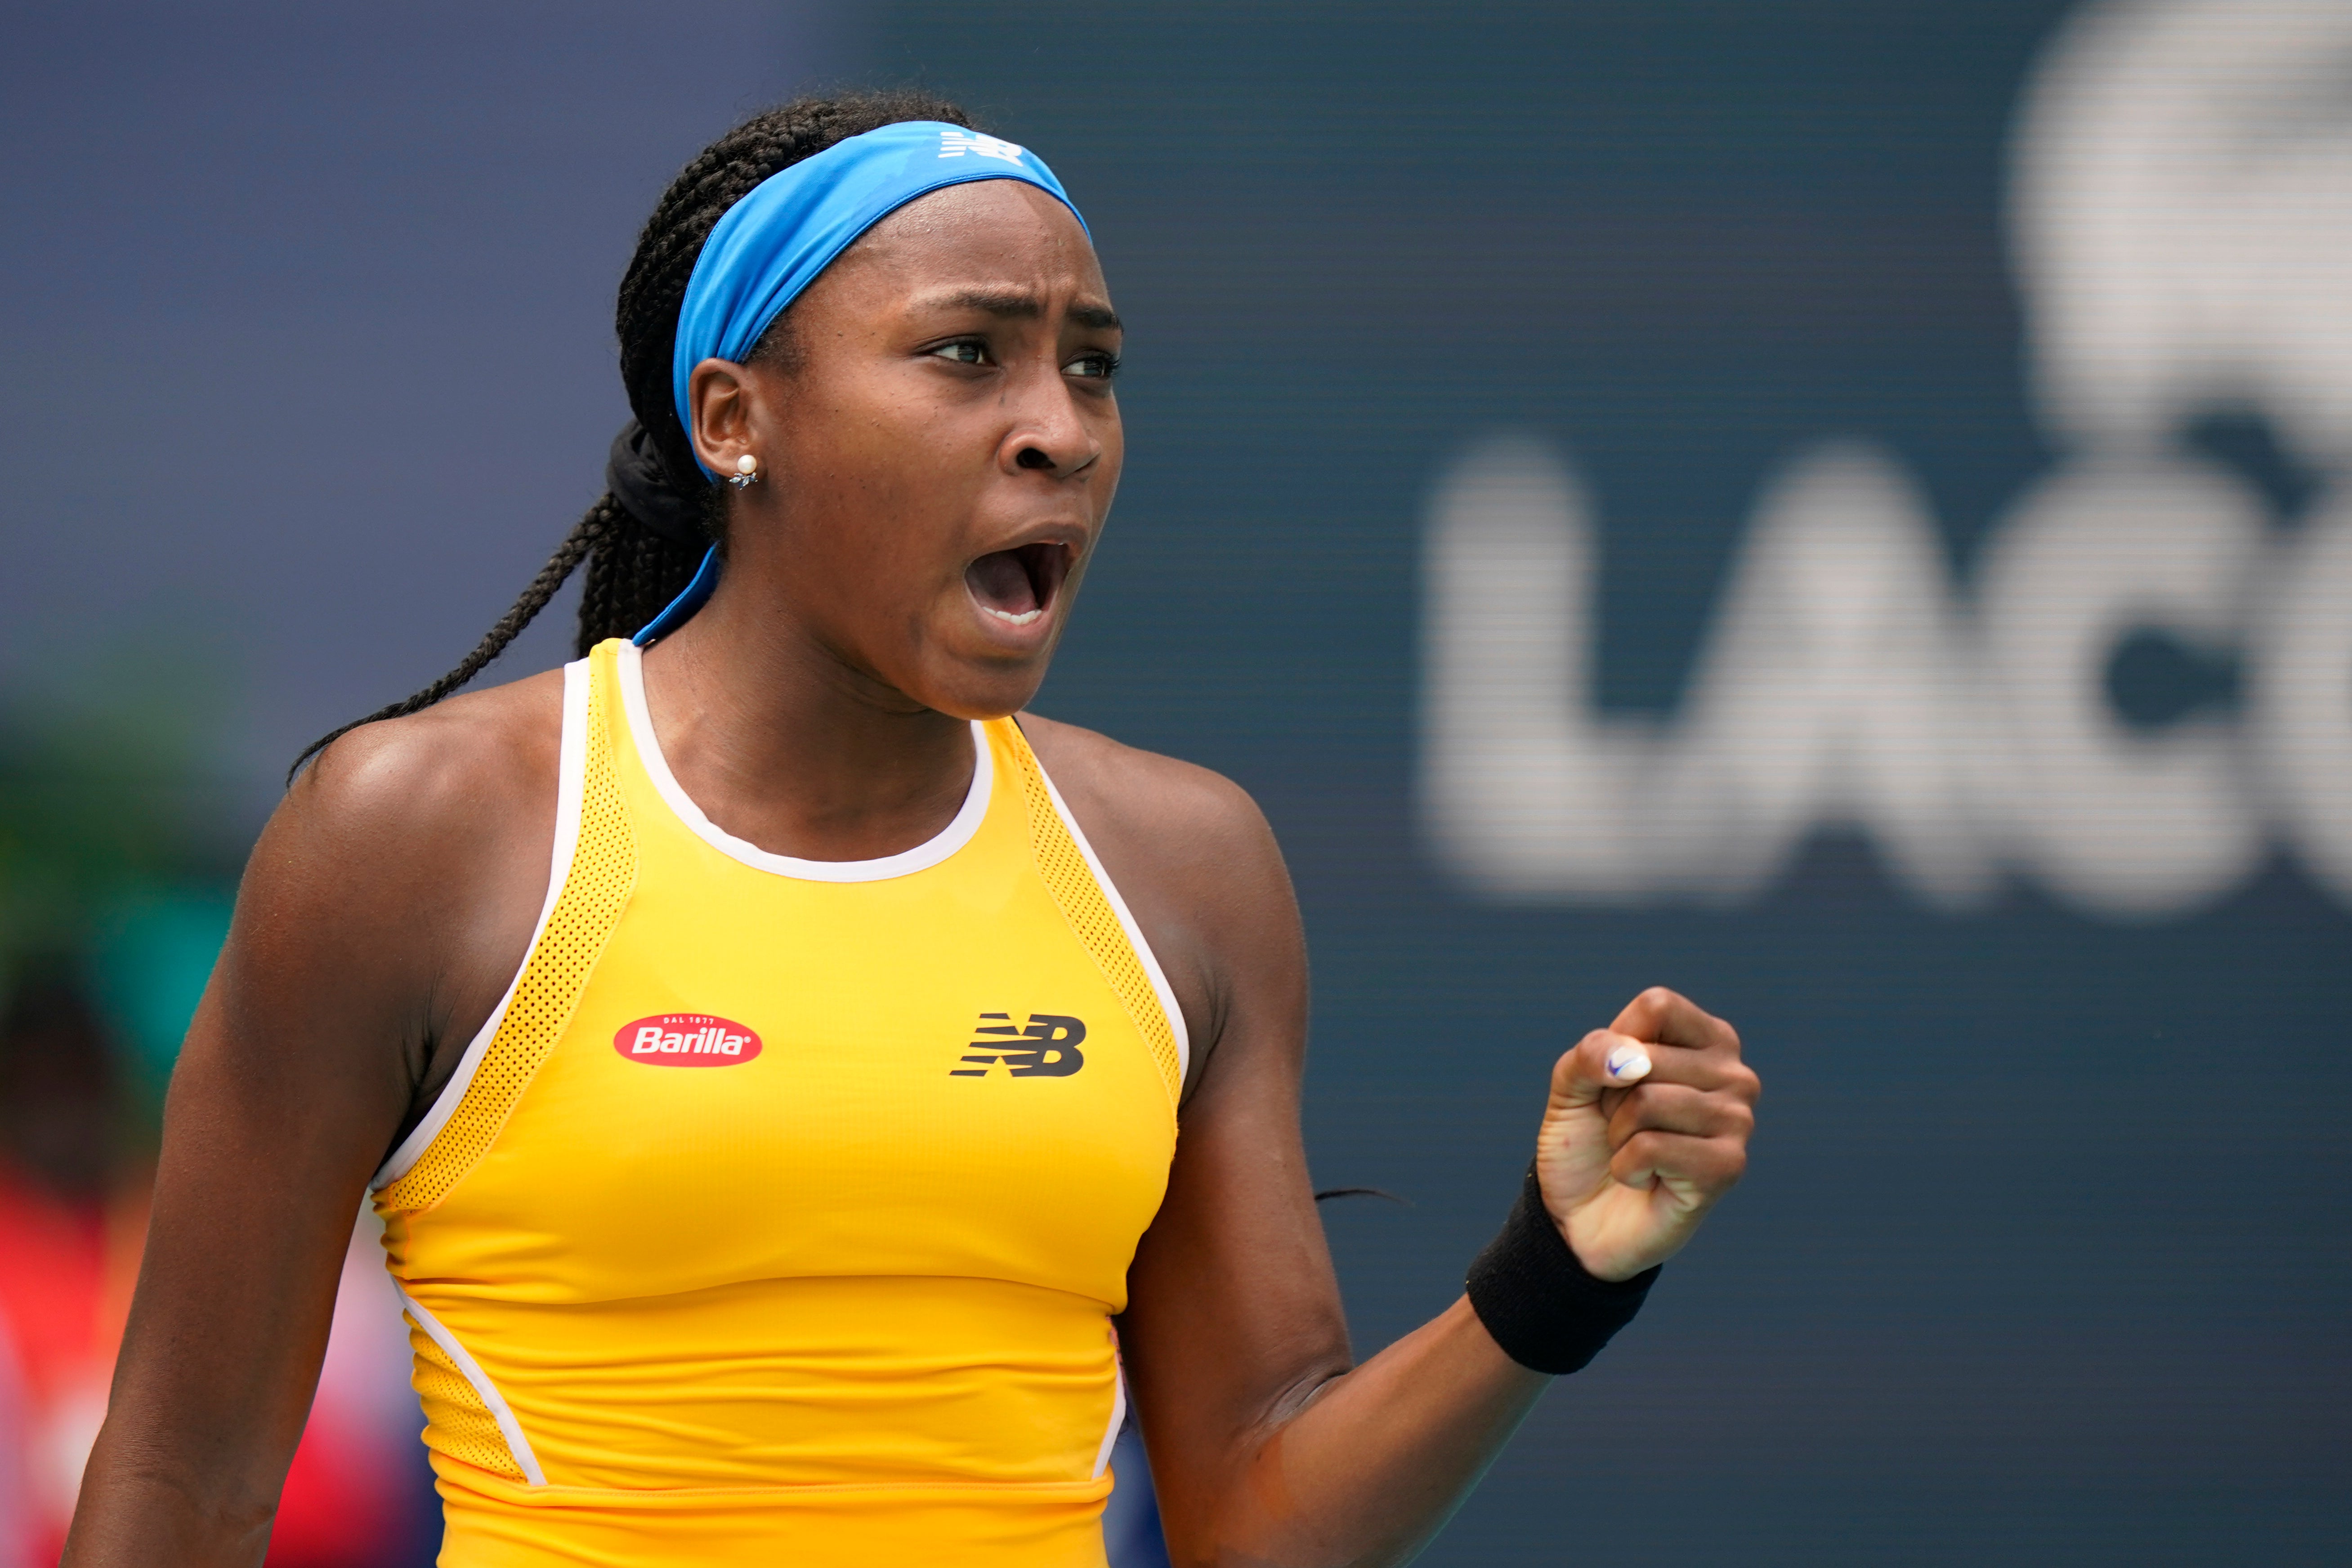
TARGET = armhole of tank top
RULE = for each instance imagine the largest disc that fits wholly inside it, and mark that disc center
(571, 771)
(1151, 970)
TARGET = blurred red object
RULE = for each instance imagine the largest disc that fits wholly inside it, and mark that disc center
(358, 1486)
(66, 1270)
(73, 1219)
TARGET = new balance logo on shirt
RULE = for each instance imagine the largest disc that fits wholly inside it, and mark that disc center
(956, 143)
(1047, 1047)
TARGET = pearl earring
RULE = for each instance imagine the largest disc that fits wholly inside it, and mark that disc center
(747, 471)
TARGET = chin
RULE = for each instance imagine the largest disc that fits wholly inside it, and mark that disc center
(982, 690)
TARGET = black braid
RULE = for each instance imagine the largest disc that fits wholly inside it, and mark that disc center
(603, 520)
(632, 576)
(632, 572)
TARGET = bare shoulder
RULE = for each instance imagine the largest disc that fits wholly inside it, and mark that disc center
(440, 768)
(416, 841)
(390, 898)
(1197, 864)
(1186, 811)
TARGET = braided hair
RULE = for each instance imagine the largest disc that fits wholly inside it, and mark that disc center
(643, 537)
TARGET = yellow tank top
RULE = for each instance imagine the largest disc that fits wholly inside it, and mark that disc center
(780, 1212)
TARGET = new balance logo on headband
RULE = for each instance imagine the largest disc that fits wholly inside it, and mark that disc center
(956, 143)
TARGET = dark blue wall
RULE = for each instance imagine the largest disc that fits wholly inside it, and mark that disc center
(306, 325)
(2041, 1258)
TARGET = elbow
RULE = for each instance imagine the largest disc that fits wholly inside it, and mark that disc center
(144, 1503)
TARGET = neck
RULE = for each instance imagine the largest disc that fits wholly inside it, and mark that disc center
(783, 743)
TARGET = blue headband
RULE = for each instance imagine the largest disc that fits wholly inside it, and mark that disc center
(773, 244)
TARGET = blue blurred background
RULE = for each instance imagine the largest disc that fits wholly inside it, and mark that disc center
(1837, 508)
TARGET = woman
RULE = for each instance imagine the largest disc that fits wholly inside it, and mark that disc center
(780, 1167)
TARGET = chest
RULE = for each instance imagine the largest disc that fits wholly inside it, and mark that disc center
(925, 1077)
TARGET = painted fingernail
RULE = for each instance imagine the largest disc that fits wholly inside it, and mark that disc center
(1627, 1062)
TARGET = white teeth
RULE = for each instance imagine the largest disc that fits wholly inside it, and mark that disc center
(1023, 619)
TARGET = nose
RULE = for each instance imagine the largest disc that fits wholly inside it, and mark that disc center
(1048, 436)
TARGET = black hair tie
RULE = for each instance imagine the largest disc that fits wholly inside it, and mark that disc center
(641, 482)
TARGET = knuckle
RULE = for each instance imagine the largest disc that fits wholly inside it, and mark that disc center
(1593, 1051)
(1658, 997)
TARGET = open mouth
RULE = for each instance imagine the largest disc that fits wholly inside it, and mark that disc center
(1017, 586)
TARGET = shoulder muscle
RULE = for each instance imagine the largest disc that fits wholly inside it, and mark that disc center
(1198, 865)
(390, 896)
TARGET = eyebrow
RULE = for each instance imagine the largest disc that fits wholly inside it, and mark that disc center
(1021, 304)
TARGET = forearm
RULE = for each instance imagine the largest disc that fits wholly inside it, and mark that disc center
(198, 1434)
(254, 1200)
(1377, 1459)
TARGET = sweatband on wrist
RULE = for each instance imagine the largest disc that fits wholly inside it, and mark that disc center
(1536, 1298)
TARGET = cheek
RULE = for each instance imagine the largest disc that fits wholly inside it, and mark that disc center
(899, 454)
(871, 544)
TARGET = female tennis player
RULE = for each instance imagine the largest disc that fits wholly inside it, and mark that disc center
(795, 1082)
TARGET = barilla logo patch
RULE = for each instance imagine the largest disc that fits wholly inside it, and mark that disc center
(687, 1040)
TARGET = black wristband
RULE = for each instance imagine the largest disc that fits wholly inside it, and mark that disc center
(1536, 1298)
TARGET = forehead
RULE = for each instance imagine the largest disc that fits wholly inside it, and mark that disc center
(992, 230)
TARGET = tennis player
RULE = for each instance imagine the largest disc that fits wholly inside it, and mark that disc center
(803, 1091)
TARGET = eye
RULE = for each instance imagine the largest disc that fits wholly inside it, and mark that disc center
(963, 350)
(1093, 366)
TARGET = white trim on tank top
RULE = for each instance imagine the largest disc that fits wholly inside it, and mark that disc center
(1117, 1418)
(518, 1446)
(1151, 969)
(922, 856)
(571, 770)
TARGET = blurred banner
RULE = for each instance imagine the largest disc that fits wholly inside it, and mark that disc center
(2180, 205)
(1839, 506)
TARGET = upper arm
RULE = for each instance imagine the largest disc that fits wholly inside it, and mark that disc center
(1234, 1312)
(355, 944)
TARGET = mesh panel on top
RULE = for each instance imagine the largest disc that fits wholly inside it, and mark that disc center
(1072, 882)
(456, 1421)
(604, 872)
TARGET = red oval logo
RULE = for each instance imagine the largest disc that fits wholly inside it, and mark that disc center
(687, 1040)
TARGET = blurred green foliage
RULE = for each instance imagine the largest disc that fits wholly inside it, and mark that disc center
(153, 951)
(119, 847)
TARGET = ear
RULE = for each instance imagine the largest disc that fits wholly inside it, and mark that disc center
(720, 395)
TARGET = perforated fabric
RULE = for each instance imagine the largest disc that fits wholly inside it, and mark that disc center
(604, 873)
(1072, 882)
(463, 1426)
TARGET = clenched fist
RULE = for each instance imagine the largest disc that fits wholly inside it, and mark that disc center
(1647, 1128)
